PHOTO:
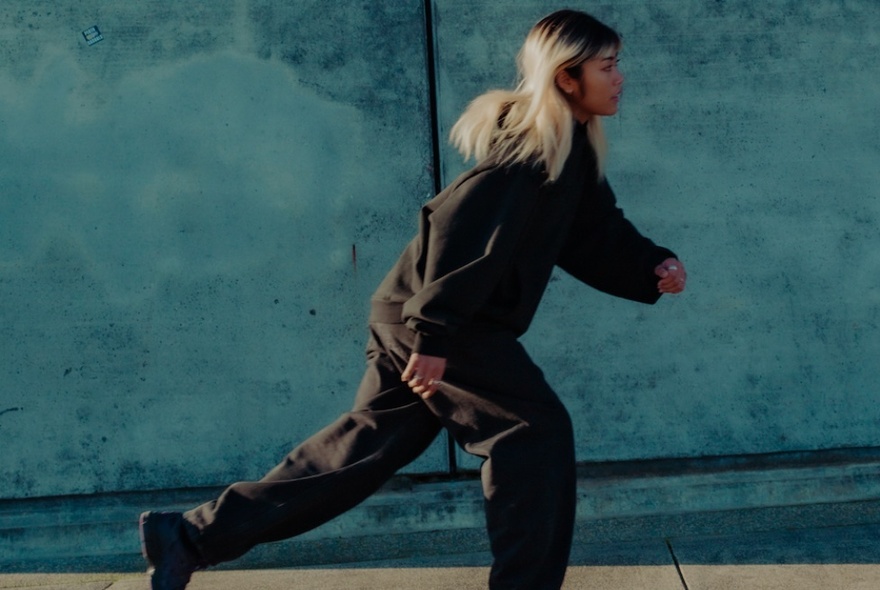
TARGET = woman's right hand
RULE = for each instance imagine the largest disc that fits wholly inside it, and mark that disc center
(673, 277)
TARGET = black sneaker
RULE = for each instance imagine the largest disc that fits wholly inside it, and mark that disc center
(171, 561)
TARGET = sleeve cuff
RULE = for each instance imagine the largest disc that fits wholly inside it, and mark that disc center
(431, 345)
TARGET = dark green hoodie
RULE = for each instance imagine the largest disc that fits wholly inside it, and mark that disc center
(488, 243)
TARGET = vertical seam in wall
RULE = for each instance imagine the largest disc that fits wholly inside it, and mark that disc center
(431, 56)
(430, 62)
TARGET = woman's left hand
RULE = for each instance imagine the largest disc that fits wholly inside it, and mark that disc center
(673, 277)
(423, 374)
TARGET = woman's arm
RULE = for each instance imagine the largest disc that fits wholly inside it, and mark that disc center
(604, 250)
(469, 234)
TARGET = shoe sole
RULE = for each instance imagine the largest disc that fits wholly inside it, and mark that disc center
(142, 525)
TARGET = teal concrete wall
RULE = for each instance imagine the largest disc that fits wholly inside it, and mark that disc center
(194, 211)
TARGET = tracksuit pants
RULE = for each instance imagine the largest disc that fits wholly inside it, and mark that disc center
(495, 403)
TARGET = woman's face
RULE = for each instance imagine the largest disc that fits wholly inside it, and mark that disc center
(596, 91)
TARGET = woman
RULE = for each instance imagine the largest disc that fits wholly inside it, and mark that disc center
(444, 326)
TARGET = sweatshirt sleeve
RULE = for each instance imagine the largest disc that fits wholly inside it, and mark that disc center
(469, 235)
(604, 250)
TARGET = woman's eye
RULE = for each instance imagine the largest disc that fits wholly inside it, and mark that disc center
(611, 66)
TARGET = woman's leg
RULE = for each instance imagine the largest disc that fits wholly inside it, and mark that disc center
(497, 405)
(326, 475)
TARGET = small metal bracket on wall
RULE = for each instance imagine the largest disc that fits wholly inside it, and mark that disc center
(92, 35)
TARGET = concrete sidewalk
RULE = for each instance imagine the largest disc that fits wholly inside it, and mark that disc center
(794, 577)
(823, 558)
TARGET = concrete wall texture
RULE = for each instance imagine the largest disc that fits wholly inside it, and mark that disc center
(195, 209)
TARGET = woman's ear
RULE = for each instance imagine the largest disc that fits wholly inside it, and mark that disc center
(565, 82)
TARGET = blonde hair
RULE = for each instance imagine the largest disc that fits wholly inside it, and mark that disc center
(534, 122)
